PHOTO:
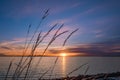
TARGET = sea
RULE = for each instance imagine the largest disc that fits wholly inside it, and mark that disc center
(64, 66)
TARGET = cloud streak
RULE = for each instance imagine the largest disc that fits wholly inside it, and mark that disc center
(4, 47)
(96, 49)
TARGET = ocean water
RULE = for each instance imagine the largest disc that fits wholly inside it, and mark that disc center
(65, 65)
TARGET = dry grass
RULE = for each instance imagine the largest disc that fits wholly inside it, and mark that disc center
(24, 67)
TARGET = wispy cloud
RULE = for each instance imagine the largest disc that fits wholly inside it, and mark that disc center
(98, 33)
(63, 7)
(95, 49)
(4, 47)
(9, 47)
(60, 39)
(16, 45)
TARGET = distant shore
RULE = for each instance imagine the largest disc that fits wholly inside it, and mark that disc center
(56, 56)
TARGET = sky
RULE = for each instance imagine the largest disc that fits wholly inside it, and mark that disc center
(98, 22)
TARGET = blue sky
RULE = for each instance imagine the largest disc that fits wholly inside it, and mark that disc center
(98, 20)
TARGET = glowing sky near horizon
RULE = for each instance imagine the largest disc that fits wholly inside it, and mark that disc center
(98, 21)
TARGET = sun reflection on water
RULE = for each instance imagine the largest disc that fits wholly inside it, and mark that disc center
(64, 66)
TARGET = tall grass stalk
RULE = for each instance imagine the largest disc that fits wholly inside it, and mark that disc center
(65, 41)
(21, 62)
(37, 43)
(56, 35)
(10, 65)
(76, 69)
(32, 54)
(51, 41)
(25, 63)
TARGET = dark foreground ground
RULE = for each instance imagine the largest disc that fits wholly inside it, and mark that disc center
(102, 76)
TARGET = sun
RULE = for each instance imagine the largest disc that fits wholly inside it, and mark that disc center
(63, 54)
